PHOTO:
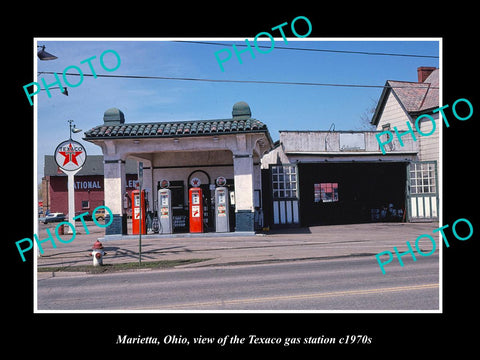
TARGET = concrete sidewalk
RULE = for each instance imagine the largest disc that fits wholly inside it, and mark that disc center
(319, 242)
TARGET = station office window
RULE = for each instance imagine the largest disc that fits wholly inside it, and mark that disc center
(178, 193)
(325, 192)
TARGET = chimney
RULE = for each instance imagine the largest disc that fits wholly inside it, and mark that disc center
(423, 72)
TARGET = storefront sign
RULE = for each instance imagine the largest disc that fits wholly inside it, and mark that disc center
(70, 155)
(87, 185)
(131, 184)
(352, 141)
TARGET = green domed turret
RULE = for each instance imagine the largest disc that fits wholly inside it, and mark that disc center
(113, 115)
(241, 111)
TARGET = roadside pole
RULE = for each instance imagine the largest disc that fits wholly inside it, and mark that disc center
(140, 183)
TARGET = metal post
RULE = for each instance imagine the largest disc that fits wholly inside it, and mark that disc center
(71, 196)
(140, 183)
(140, 229)
(71, 201)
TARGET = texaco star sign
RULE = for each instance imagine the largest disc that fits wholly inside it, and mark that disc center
(70, 155)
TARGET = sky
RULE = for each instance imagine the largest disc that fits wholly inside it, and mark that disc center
(280, 107)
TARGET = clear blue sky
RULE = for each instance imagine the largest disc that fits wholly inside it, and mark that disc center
(281, 107)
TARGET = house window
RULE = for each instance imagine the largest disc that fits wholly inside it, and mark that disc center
(284, 181)
(85, 204)
(325, 192)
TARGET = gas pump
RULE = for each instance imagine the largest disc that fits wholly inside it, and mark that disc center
(196, 209)
(165, 215)
(138, 204)
(222, 223)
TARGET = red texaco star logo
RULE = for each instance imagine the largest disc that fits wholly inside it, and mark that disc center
(70, 155)
(195, 182)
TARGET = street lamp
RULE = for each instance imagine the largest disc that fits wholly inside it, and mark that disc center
(73, 128)
(43, 55)
(65, 92)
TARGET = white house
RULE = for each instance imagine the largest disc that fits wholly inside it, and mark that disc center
(402, 102)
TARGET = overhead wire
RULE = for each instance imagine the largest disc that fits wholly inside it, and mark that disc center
(316, 50)
(238, 81)
(265, 81)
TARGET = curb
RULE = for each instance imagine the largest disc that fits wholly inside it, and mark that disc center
(205, 264)
(107, 238)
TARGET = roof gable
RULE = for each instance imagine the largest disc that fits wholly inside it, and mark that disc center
(411, 95)
(418, 96)
(415, 97)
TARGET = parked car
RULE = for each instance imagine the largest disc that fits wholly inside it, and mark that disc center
(54, 217)
(85, 217)
(100, 214)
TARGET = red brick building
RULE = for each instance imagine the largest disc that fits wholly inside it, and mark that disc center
(88, 184)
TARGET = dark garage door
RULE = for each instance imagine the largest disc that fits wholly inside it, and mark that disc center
(343, 193)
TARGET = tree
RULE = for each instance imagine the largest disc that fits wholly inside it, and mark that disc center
(366, 117)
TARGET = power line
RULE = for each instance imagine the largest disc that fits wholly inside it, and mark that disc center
(317, 50)
(239, 81)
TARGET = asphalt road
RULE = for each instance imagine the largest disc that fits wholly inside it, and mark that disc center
(354, 283)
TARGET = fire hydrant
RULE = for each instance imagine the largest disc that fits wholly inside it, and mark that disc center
(98, 253)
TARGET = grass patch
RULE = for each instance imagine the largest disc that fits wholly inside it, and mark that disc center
(161, 264)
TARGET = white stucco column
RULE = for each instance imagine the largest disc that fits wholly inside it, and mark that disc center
(243, 177)
(114, 185)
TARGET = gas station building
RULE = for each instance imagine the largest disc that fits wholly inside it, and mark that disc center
(306, 178)
(179, 155)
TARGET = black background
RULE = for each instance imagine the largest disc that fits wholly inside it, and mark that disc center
(405, 334)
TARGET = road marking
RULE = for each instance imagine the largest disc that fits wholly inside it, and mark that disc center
(295, 297)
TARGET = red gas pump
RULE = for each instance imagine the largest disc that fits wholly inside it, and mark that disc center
(137, 201)
(196, 209)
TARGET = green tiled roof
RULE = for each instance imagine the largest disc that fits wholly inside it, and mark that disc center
(175, 129)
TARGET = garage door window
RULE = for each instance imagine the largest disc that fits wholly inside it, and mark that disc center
(422, 178)
(325, 192)
(422, 191)
(285, 195)
(284, 181)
